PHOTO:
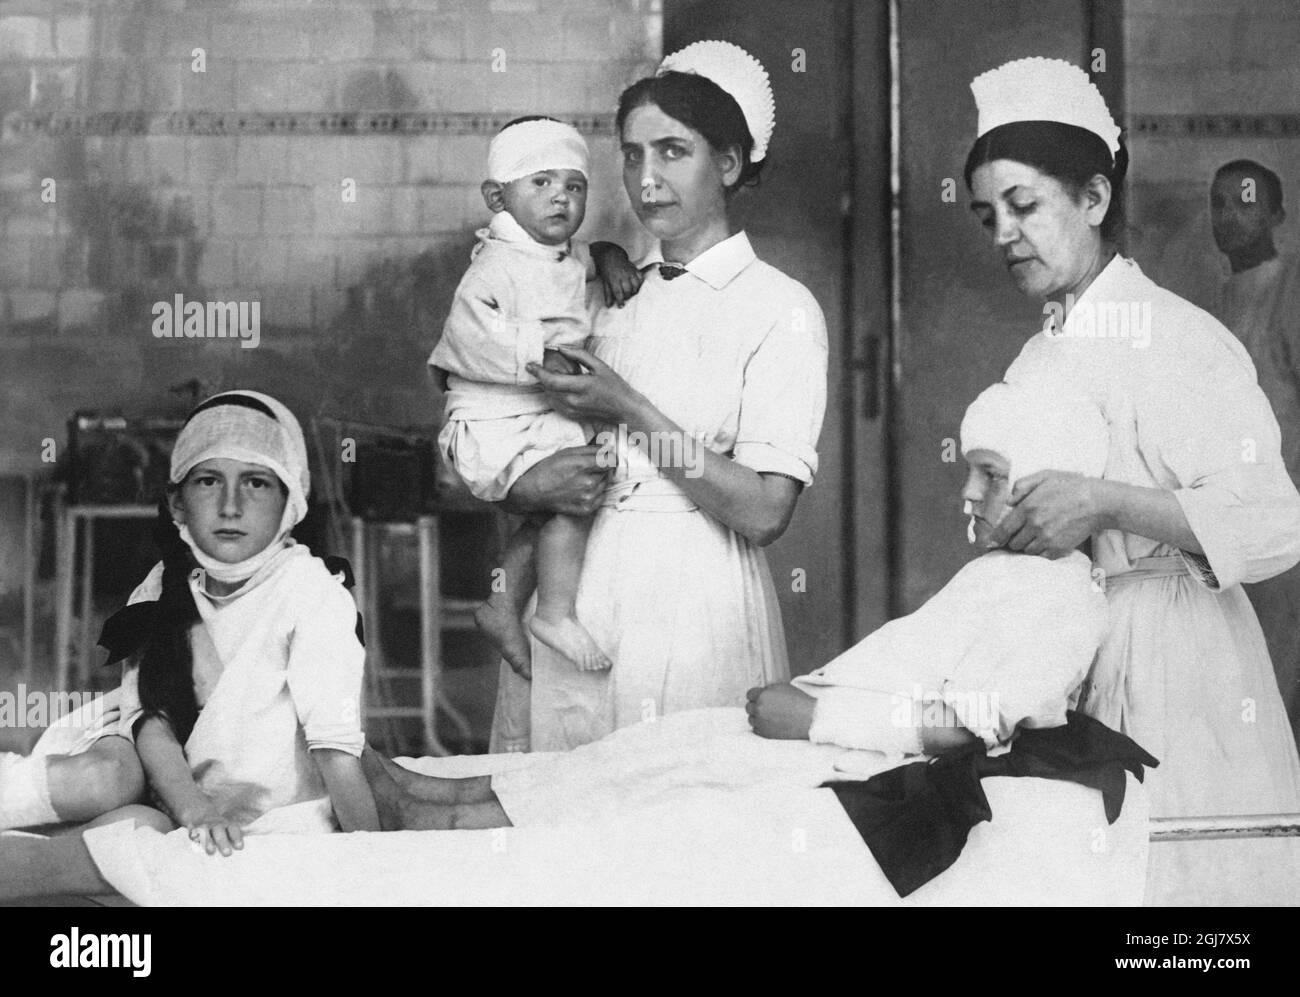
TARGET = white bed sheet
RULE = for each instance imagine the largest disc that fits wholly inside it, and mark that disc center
(1049, 844)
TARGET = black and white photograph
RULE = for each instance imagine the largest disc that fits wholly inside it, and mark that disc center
(650, 453)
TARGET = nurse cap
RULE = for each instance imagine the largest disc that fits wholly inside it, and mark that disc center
(738, 73)
(1038, 89)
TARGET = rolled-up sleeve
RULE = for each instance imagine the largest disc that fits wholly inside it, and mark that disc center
(1217, 436)
(326, 662)
(783, 400)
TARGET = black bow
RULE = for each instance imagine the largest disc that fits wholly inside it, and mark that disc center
(916, 818)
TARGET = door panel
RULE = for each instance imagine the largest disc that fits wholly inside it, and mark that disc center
(798, 222)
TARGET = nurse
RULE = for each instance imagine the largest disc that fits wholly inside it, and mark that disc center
(1195, 498)
(712, 383)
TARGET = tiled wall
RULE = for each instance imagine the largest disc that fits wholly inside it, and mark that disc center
(1228, 65)
(227, 185)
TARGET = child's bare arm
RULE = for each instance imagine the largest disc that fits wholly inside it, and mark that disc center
(169, 774)
(620, 279)
(354, 804)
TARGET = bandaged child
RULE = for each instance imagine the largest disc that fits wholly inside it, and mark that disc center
(245, 706)
(523, 301)
(1002, 647)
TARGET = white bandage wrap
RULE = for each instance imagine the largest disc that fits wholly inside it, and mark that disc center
(236, 432)
(866, 720)
(1038, 89)
(533, 146)
(24, 792)
(1038, 427)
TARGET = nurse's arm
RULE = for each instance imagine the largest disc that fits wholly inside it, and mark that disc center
(758, 506)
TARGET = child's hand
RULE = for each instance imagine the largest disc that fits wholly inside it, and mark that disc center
(780, 711)
(619, 278)
(215, 833)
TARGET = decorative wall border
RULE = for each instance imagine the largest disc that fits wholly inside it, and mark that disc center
(1215, 125)
(352, 123)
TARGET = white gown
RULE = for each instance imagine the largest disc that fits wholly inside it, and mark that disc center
(734, 351)
(1184, 670)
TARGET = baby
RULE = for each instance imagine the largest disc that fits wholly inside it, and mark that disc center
(524, 300)
(1004, 646)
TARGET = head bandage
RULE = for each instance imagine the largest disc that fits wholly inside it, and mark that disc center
(1040, 89)
(533, 146)
(738, 73)
(1037, 427)
(254, 428)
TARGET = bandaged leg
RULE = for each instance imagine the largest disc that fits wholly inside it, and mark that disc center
(24, 792)
(866, 720)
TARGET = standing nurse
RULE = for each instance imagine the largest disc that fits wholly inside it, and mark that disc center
(713, 381)
(1195, 498)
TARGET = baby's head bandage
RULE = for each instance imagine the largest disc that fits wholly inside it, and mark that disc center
(1038, 427)
(529, 147)
(254, 428)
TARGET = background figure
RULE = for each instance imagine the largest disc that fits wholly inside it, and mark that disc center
(1260, 303)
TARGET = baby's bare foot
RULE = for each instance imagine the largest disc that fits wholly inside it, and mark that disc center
(570, 638)
(505, 632)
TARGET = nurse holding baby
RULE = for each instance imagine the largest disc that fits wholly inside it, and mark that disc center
(725, 357)
(1195, 498)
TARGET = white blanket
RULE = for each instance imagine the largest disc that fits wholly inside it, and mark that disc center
(1048, 843)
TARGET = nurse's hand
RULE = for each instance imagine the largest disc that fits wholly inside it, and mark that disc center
(1049, 513)
(598, 396)
(780, 711)
(570, 482)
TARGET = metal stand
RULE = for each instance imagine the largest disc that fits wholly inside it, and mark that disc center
(436, 616)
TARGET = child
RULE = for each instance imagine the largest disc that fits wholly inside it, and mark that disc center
(245, 708)
(523, 300)
(1003, 646)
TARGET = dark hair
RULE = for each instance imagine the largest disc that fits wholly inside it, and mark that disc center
(1069, 154)
(530, 117)
(1267, 179)
(166, 681)
(698, 103)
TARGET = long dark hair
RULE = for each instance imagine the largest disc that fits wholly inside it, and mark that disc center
(166, 677)
(1069, 154)
(700, 104)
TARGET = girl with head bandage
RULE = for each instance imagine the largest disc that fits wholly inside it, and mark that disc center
(244, 683)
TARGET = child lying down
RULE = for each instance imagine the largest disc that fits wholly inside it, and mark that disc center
(1003, 646)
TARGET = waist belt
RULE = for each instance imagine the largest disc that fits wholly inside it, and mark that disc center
(647, 495)
(1146, 568)
(474, 400)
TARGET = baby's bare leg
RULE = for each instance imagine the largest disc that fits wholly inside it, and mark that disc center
(560, 551)
(501, 617)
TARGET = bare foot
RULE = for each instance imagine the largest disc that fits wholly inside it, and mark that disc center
(504, 631)
(434, 789)
(570, 638)
(388, 794)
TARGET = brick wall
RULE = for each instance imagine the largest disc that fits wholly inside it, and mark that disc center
(1226, 62)
(166, 183)
(350, 292)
